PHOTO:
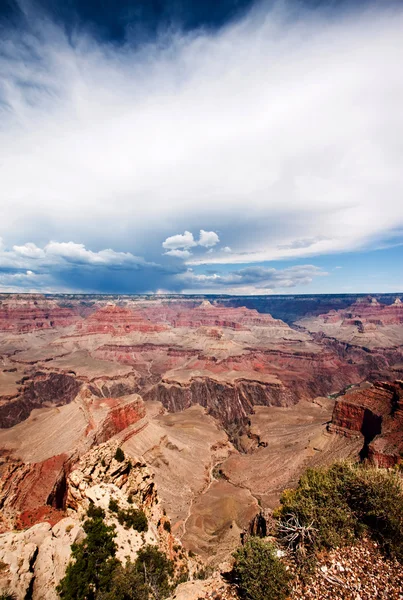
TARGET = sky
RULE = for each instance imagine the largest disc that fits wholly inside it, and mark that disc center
(196, 146)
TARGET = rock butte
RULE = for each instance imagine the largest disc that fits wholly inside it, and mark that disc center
(226, 405)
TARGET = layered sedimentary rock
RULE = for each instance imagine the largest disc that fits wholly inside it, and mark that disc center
(26, 314)
(366, 323)
(373, 412)
(37, 391)
(117, 320)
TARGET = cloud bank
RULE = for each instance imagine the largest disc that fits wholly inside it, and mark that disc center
(252, 279)
(278, 134)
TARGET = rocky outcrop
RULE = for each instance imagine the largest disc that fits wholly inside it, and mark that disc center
(374, 412)
(36, 491)
(34, 561)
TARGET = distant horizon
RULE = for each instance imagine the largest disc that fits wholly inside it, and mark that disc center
(201, 295)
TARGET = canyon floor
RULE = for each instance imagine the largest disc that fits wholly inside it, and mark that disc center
(225, 404)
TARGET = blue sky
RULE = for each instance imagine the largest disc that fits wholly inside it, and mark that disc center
(186, 146)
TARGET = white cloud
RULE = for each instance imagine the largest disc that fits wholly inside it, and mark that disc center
(77, 253)
(208, 238)
(179, 253)
(29, 250)
(175, 242)
(67, 253)
(279, 132)
(178, 245)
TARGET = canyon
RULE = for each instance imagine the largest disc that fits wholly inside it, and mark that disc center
(223, 403)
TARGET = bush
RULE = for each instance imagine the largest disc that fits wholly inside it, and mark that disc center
(167, 526)
(258, 573)
(156, 570)
(344, 501)
(93, 563)
(113, 505)
(95, 512)
(133, 518)
(119, 455)
(126, 584)
(96, 574)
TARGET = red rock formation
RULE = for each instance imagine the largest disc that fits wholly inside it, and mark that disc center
(35, 492)
(33, 313)
(230, 403)
(366, 312)
(28, 492)
(119, 417)
(116, 320)
(375, 412)
(209, 315)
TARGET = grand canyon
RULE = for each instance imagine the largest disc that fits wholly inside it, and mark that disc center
(219, 404)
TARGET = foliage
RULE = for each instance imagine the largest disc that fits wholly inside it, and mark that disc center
(344, 501)
(94, 560)
(119, 455)
(95, 512)
(167, 526)
(113, 505)
(258, 573)
(147, 578)
(6, 596)
(127, 583)
(156, 570)
(133, 518)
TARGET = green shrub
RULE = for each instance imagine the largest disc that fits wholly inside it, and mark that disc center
(95, 512)
(113, 505)
(167, 526)
(320, 499)
(127, 583)
(344, 501)
(119, 455)
(93, 562)
(156, 570)
(258, 573)
(6, 596)
(133, 518)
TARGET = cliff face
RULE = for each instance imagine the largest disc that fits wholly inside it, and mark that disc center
(35, 491)
(375, 412)
(24, 315)
(38, 391)
(230, 403)
(34, 560)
